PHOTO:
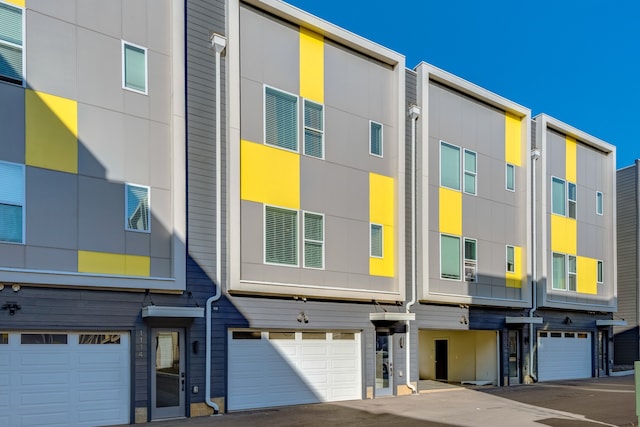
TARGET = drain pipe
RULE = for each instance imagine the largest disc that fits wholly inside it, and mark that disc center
(535, 155)
(218, 43)
(414, 114)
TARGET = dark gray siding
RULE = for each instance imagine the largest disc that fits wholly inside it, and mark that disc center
(626, 338)
(203, 17)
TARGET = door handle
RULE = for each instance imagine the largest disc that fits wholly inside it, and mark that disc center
(182, 380)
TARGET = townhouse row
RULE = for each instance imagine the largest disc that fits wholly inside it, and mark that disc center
(219, 205)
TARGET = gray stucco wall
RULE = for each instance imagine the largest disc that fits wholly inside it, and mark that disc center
(494, 216)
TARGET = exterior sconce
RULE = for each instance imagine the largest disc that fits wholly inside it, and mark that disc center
(12, 306)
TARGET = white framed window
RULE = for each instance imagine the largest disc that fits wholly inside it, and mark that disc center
(313, 129)
(600, 271)
(558, 196)
(280, 119)
(313, 253)
(572, 200)
(510, 177)
(137, 205)
(280, 236)
(450, 257)
(564, 197)
(599, 203)
(376, 241)
(375, 138)
(449, 166)
(511, 259)
(134, 67)
(572, 277)
(12, 52)
(559, 268)
(470, 172)
(470, 259)
(12, 202)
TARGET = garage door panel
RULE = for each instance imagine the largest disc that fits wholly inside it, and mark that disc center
(291, 368)
(563, 356)
(64, 384)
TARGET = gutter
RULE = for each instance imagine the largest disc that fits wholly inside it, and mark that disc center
(219, 43)
(414, 114)
(535, 155)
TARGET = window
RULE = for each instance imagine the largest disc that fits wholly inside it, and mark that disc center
(511, 177)
(134, 67)
(86, 339)
(564, 198)
(470, 260)
(599, 203)
(280, 119)
(281, 236)
(572, 273)
(470, 172)
(449, 166)
(375, 139)
(313, 129)
(313, 240)
(137, 205)
(558, 196)
(600, 272)
(11, 52)
(449, 257)
(376, 241)
(43, 338)
(246, 335)
(11, 202)
(571, 199)
(559, 272)
(511, 259)
(4, 338)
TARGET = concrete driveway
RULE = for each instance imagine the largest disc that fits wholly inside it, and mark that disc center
(594, 402)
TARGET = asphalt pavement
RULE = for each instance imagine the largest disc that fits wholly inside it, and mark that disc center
(608, 401)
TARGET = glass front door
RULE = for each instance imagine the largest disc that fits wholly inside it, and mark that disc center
(514, 357)
(602, 353)
(168, 374)
(384, 363)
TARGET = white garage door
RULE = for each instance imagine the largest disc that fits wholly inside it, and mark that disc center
(564, 355)
(64, 379)
(278, 368)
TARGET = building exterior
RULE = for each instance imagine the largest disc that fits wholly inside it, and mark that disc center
(626, 336)
(220, 205)
(313, 183)
(576, 293)
(472, 231)
(96, 315)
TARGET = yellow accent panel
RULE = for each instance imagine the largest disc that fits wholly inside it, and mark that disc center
(51, 132)
(571, 160)
(269, 175)
(564, 235)
(513, 139)
(514, 280)
(19, 3)
(586, 270)
(450, 205)
(384, 266)
(311, 65)
(381, 199)
(382, 211)
(110, 263)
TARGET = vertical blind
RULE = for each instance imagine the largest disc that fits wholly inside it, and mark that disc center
(281, 119)
(10, 43)
(281, 235)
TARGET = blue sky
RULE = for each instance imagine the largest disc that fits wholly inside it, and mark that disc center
(576, 60)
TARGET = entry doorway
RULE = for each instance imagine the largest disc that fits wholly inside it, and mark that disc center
(442, 360)
(168, 380)
(384, 363)
(602, 353)
(514, 357)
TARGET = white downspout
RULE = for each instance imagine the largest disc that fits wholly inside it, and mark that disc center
(414, 113)
(218, 43)
(535, 155)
